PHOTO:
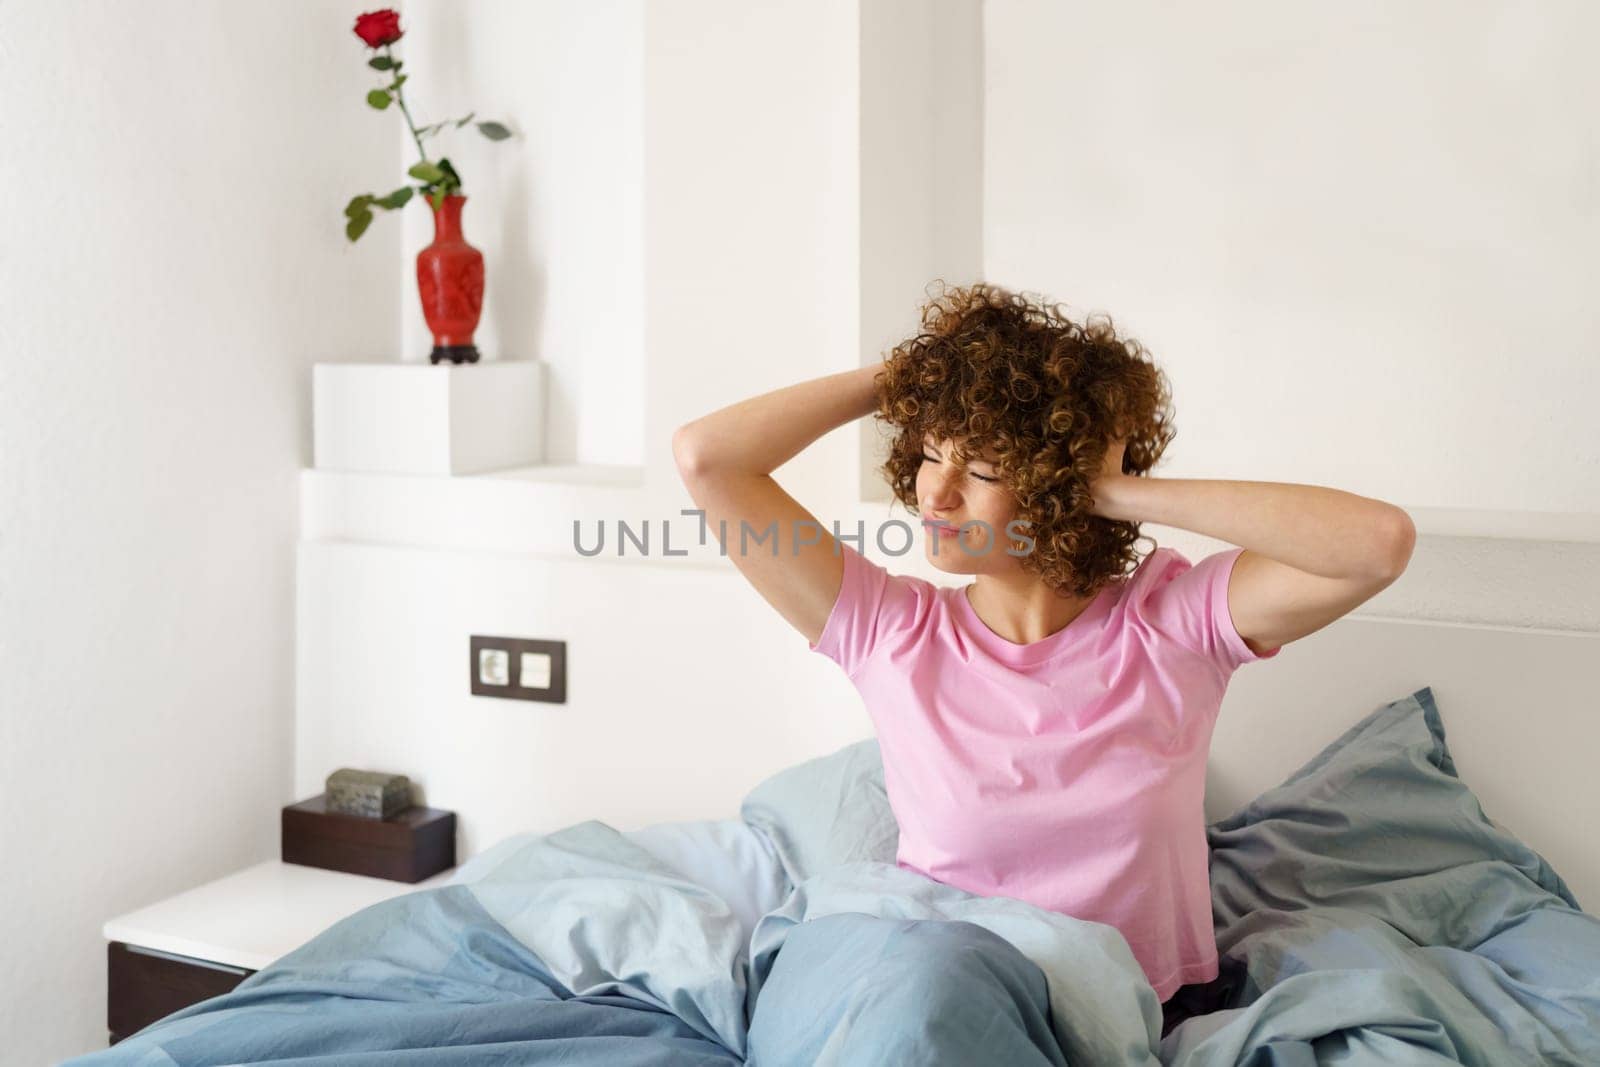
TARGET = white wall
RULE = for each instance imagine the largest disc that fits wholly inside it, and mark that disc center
(675, 676)
(1359, 237)
(921, 146)
(752, 209)
(173, 261)
(556, 210)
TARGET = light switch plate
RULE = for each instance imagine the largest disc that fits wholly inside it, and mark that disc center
(519, 668)
(534, 671)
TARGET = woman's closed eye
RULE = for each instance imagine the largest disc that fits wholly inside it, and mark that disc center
(975, 474)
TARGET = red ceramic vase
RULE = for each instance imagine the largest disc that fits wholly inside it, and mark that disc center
(450, 282)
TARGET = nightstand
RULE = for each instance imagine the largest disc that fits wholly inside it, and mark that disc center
(203, 942)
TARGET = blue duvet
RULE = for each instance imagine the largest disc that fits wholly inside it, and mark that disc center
(580, 948)
(1367, 912)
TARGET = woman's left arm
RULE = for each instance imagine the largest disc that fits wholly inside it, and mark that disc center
(1312, 554)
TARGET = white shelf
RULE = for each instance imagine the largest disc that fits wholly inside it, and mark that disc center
(523, 511)
(529, 510)
(1550, 526)
(1576, 527)
(573, 474)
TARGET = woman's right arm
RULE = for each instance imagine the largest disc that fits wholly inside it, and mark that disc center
(726, 460)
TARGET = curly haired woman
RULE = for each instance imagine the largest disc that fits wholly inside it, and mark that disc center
(1044, 727)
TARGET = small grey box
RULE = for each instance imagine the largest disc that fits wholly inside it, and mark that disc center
(368, 794)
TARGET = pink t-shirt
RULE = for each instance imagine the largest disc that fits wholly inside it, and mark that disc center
(1070, 772)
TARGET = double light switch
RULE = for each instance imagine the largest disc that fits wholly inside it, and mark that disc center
(519, 668)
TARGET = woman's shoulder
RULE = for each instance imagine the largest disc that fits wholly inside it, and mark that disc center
(887, 574)
(1156, 568)
(1187, 601)
(874, 606)
(1157, 586)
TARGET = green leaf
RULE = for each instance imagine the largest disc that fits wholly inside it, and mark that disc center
(358, 225)
(358, 204)
(396, 199)
(378, 98)
(452, 180)
(494, 131)
(426, 172)
(381, 63)
(399, 81)
(463, 120)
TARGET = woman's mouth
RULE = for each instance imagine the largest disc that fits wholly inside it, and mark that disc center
(941, 528)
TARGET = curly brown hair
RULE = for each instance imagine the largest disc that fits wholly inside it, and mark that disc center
(992, 368)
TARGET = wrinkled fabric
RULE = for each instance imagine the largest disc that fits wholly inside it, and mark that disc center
(1101, 1008)
(424, 979)
(851, 988)
(1367, 911)
(1370, 907)
(492, 966)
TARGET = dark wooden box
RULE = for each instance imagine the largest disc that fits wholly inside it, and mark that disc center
(409, 846)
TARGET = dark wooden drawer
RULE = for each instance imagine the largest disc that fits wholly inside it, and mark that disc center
(143, 986)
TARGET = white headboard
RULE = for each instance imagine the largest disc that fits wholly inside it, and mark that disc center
(685, 691)
(1520, 708)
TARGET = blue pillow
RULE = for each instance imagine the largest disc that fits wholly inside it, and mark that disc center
(826, 811)
(1379, 822)
(1369, 903)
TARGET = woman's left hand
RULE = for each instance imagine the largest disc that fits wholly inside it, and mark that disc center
(1110, 475)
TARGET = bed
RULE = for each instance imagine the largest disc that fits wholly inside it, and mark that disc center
(1367, 909)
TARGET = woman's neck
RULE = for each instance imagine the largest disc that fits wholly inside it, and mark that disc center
(1023, 610)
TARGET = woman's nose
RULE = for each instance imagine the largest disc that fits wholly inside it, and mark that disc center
(942, 493)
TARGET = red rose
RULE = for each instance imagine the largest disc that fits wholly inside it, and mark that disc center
(379, 28)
